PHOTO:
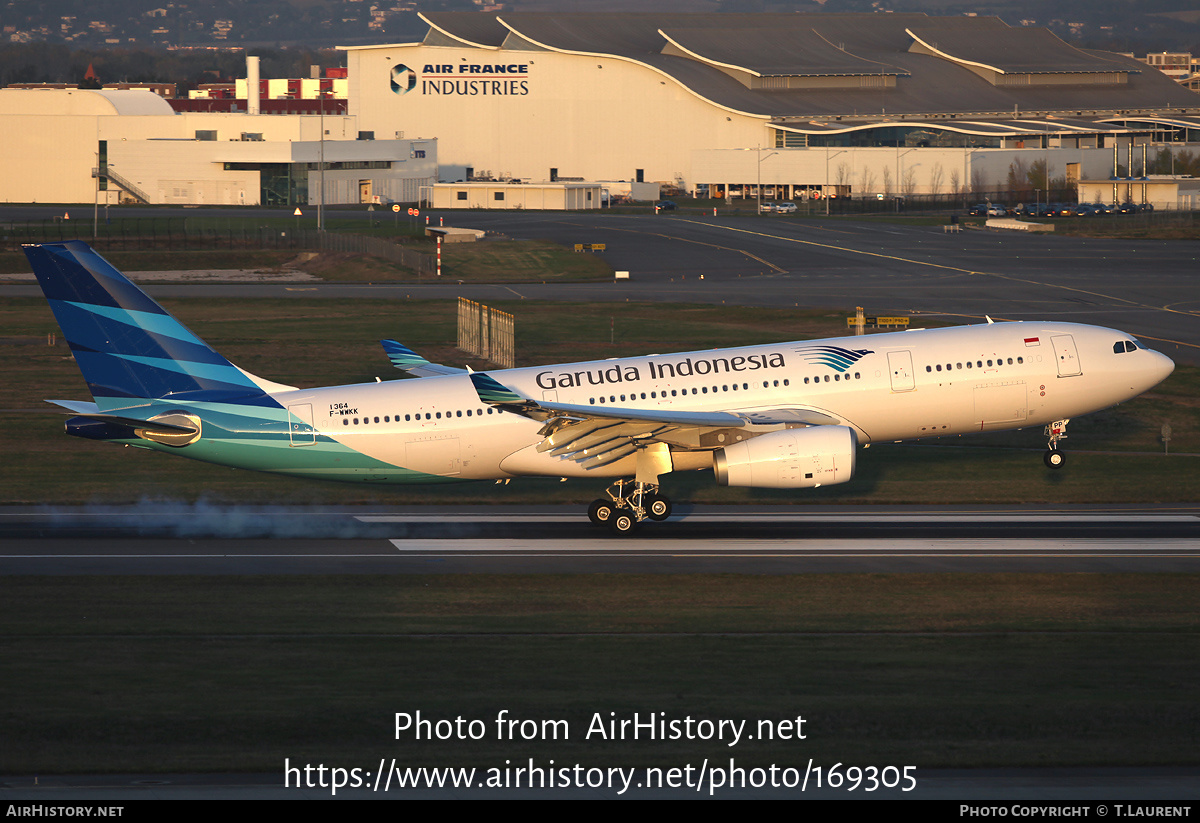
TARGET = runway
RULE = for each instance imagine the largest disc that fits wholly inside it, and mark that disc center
(235, 540)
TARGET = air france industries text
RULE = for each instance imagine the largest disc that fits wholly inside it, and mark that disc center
(476, 88)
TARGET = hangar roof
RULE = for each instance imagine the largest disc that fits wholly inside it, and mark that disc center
(773, 51)
(727, 58)
(82, 102)
(1007, 50)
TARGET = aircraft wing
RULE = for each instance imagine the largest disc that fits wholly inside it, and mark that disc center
(409, 361)
(597, 435)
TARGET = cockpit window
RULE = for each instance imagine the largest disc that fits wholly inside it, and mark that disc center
(1122, 346)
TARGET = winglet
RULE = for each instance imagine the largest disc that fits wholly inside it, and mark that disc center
(494, 393)
(409, 361)
(402, 356)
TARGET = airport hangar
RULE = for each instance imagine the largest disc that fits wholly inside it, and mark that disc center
(852, 104)
(113, 146)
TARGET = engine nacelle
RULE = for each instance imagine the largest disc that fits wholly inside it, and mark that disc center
(789, 459)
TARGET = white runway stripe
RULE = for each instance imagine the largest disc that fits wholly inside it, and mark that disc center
(848, 517)
(632, 546)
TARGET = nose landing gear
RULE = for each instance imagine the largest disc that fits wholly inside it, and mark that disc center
(1053, 458)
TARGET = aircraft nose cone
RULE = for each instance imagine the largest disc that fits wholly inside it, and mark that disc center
(1163, 366)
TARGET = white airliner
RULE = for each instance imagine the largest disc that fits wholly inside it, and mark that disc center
(786, 415)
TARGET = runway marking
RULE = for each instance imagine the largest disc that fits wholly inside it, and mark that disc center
(939, 266)
(857, 519)
(866, 549)
(696, 242)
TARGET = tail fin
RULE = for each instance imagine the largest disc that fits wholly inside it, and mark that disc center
(126, 345)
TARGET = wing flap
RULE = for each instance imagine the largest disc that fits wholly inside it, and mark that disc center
(595, 436)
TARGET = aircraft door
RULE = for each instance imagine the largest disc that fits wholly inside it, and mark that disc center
(900, 364)
(1066, 354)
(300, 425)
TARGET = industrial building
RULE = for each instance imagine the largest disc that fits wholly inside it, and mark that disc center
(783, 106)
(81, 146)
(853, 104)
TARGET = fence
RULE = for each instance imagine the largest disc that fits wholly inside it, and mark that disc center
(181, 234)
(486, 332)
(940, 202)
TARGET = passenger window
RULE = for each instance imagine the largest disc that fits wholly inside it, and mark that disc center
(826, 378)
(345, 421)
(929, 368)
(1020, 360)
(939, 366)
(787, 382)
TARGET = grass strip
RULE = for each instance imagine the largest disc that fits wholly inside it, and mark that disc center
(168, 674)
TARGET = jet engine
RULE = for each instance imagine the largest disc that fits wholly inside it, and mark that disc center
(789, 459)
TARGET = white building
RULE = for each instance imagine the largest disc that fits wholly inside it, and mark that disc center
(75, 145)
(859, 104)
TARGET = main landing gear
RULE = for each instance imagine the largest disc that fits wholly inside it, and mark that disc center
(629, 503)
(1053, 458)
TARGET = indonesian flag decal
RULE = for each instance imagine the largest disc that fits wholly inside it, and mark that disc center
(1032, 341)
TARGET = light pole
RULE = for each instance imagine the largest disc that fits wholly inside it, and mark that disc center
(899, 179)
(825, 188)
(758, 150)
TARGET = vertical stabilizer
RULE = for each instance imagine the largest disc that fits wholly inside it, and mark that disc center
(127, 346)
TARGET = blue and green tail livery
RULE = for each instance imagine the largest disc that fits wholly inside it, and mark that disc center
(127, 346)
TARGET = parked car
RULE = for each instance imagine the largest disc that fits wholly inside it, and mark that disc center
(996, 210)
(979, 210)
(767, 208)
(785, 208)
(665, 205)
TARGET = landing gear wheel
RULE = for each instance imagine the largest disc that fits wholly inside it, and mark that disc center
(622, 522)
(600, 512)
(658, 507)
(1054, 459)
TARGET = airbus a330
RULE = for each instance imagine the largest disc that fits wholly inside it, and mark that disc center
(787, 415)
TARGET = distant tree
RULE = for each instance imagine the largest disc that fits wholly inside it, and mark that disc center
(866, 181)
(887, 181)
(936, 177)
